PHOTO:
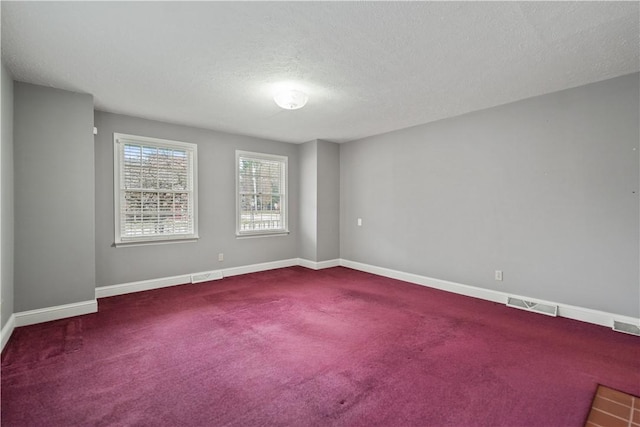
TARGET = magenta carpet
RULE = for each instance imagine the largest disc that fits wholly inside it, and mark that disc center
(296, 347)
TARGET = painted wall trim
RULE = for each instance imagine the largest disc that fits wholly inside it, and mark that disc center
(142, 285)
(163, 282)
(254, 268)
(319, 265)
(42, 315)
(583, 314)
(7, 330)
(85, 307)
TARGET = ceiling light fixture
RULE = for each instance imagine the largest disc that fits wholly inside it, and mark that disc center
(291, 99)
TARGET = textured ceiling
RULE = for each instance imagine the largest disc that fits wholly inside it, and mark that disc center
(368, 67)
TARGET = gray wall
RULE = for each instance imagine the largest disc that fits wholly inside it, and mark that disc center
(328, 211)
(6, 202)
(216, 206)
(54, 197)
(319, 201)
(545, 189)
(309, 200)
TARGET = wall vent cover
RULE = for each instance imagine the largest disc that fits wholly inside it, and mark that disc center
(626, 328)
(537, 307)
(206, 276)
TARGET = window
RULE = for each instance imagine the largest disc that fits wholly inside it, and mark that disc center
(261, 183)
(155, 189)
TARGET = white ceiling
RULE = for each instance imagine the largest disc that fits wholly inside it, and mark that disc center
(368, 67)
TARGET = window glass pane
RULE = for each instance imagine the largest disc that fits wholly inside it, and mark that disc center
(132, 166)
(149, 167)
(181, 204)
(165, 168)
(166, 224)
(132, 213)
(180, 170)
(133, 202)
(165, 204)
(149, 203)
(149, 225)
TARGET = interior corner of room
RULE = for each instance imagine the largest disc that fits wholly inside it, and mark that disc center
(544, 189)
(320, 213)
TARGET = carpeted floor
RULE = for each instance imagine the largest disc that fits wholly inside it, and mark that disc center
(310, 348)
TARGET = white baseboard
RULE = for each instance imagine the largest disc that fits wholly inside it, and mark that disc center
(7, 330)
(76, 309)
(42, 315)
(430, 282)
(163, 282)
(596, 317)
(583, 314)
(143, 285)
(254, 268)
(319, 265)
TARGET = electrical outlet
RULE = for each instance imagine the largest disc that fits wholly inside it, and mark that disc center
(220, 257)
(359, 222)
(499, 275)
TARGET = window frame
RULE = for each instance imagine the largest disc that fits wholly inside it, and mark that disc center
(121, 138)
(283, 194)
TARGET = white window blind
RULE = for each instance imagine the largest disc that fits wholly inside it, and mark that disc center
(155, 189)
(261, 193)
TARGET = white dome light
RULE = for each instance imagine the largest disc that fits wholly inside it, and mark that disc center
(291, 99)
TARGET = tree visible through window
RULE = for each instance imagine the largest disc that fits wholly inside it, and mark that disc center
(155, 189)
(261, 187)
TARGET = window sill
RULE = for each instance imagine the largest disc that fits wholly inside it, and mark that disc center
(155, 242)
(265, 234)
